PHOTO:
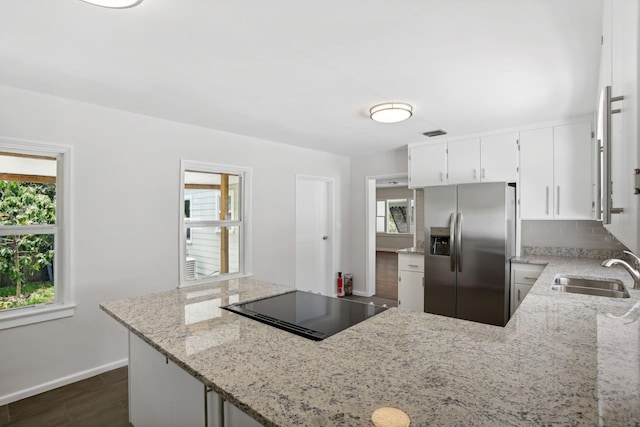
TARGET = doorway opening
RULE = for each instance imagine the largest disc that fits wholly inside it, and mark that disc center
(392, 211)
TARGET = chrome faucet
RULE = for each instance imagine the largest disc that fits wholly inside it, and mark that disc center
(631, 270)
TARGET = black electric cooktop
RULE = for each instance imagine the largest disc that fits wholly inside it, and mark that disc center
(306, 314)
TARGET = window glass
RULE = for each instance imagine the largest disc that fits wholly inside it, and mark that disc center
(214, 227)
(28, 213)
(397, 215)
(381, 214)
(214, 251)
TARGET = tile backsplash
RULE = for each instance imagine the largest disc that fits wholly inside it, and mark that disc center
(569, 238)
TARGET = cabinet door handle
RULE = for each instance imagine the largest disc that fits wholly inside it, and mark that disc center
(607, 202)
(518, 294)
(412, 265)
(530, 278)
(547, 198)
(558, 201)
(482, 173)
(441, 177)
(475, 173)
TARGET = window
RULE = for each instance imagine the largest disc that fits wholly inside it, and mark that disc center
(214, 217)
(34, 257)
(394, 216)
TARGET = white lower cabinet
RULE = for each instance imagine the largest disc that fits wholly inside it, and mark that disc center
(411, 282)
(163, 394)
(523, 276)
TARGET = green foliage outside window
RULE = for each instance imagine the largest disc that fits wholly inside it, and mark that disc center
(23, 255)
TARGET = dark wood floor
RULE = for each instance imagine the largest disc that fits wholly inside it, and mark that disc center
(386, 281)
(97, 401)
(374, 299)
(387, 275)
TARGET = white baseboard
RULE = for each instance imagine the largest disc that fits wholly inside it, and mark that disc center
(362, 294)
(32, 391)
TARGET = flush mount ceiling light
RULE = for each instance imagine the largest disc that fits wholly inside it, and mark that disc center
(391, 112)
(114, 4)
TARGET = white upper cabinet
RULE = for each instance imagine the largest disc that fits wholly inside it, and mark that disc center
(499, 158)
(492, 158)
(620, 69)
(428, 165)
(463, 161)
(572, 175)
(536, 173)
(556, 172)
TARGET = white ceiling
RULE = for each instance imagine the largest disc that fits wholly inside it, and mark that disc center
(306, 73)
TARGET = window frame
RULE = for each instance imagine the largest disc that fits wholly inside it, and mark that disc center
(243, 223)
(381, 216)
(410, 218)
(63, 304)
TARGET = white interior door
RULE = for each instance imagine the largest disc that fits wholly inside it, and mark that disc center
(314, 240)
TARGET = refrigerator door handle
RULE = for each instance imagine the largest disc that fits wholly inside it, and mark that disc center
(452, 247)
(459, 241)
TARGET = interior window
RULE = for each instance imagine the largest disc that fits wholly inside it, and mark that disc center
(213, 219)
(31, 236)
(394, 216)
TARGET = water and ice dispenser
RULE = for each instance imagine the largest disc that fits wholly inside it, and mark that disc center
(439, 245)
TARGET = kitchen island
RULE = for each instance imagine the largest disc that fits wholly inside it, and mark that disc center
(562, 359)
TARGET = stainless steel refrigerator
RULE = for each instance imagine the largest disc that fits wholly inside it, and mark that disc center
(469, 241)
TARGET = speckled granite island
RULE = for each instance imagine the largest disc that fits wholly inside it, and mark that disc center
(563, 359)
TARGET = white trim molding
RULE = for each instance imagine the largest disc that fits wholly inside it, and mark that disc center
(244, 223)
(64, 304)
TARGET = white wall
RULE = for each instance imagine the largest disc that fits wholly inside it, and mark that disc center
(391, 162)
(568, 234)
(123, 160)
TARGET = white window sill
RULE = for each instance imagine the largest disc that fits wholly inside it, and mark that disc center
(216, 279)
(35, 314)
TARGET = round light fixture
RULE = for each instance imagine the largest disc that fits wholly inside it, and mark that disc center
(114, 4)
(391, 112)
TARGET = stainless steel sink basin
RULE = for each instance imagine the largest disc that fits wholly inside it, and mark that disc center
(611, 288)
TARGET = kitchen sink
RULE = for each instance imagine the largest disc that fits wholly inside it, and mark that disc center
(611, 288)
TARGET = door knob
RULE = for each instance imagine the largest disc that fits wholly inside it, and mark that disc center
(325, 237)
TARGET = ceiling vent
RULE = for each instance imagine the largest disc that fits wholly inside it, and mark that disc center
(433, 133)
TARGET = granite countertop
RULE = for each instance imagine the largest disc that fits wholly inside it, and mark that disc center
(411, 251)
(562, 359)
